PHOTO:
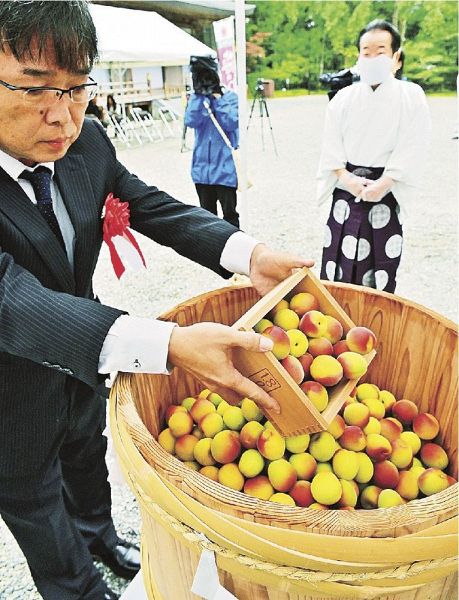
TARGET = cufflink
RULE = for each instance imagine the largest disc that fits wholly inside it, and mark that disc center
(137, 364)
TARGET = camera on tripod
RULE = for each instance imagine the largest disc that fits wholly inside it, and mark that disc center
(263, 90)
(204, 72)
(260, 87)
(339, 80)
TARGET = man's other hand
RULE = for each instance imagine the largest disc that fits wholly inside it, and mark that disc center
(377, 189)
(268, 268)
(354, 184)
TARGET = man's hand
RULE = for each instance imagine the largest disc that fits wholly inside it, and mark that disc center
(204, 350)
(268, 268)
(352, 183)
(376, 190)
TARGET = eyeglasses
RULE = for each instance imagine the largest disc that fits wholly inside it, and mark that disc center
(44, 97)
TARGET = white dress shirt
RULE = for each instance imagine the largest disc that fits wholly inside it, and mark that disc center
(386, 127)
(133, 344)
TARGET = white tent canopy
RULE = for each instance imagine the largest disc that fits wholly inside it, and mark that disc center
(138, 36)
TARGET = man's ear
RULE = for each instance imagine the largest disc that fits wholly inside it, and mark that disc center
(396, 62)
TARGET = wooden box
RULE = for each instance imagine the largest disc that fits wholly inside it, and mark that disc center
(298, 414)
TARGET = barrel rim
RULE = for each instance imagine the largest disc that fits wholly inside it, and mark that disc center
(448, 323)
(416, 515)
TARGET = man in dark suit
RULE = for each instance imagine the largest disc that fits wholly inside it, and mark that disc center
(56, 341)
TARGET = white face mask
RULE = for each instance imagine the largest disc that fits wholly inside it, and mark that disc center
(374, 70)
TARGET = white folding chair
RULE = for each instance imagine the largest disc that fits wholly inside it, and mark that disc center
(169, 117)
(129, 128)
(144, 119)
(119, 131)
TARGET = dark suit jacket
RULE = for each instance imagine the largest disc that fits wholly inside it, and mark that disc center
(51, 329)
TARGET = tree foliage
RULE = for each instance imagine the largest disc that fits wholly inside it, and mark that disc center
(298, 41)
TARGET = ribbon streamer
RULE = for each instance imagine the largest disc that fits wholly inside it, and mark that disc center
(116, 223)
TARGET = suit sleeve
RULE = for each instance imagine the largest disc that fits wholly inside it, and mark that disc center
(66, 333)
(54, 329)
(191, 231)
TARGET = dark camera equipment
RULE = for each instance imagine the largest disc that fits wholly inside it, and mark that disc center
(339, 80)
(260, 97)
(260, 87)
(204, 72)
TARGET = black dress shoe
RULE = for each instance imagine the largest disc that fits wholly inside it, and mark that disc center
(109, 595)
(123, 560)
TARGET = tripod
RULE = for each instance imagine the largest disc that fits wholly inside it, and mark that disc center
(263, 108)
(184, 147)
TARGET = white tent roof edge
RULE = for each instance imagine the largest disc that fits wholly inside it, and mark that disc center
(137, 36)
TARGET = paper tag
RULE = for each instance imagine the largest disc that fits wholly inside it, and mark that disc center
(223, 594)
(206, 582)
(135, 590)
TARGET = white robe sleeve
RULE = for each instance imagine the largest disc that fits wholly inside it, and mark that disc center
(407, 160)
(333, 155)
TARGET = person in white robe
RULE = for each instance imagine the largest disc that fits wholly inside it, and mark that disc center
(374, 146)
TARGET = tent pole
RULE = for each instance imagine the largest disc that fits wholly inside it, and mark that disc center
(120, 77)
(242, 93)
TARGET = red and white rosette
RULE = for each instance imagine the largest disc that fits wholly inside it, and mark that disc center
(123, 247)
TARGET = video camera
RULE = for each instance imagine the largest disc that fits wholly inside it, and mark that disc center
(260, 87)
(204, 72)
(339, 80)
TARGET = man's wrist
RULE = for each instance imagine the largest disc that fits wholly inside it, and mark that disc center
(174, 343)
(259, 249)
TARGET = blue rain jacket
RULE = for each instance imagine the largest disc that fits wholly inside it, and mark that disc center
(212, 162)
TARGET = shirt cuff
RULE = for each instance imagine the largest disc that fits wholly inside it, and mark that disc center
(136, 345)
(237, 253)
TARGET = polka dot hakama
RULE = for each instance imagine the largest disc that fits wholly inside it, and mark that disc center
(362, 241)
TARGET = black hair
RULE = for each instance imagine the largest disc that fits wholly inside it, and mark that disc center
(111, 102)
(384, 26)
(67, 25)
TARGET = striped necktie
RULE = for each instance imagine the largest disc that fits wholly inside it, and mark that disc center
(41, 183)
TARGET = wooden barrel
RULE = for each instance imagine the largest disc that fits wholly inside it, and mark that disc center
(267, 551)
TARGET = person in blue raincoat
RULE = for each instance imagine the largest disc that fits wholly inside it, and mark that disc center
(213, 170)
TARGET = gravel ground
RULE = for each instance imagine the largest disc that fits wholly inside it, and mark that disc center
(281, 211)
